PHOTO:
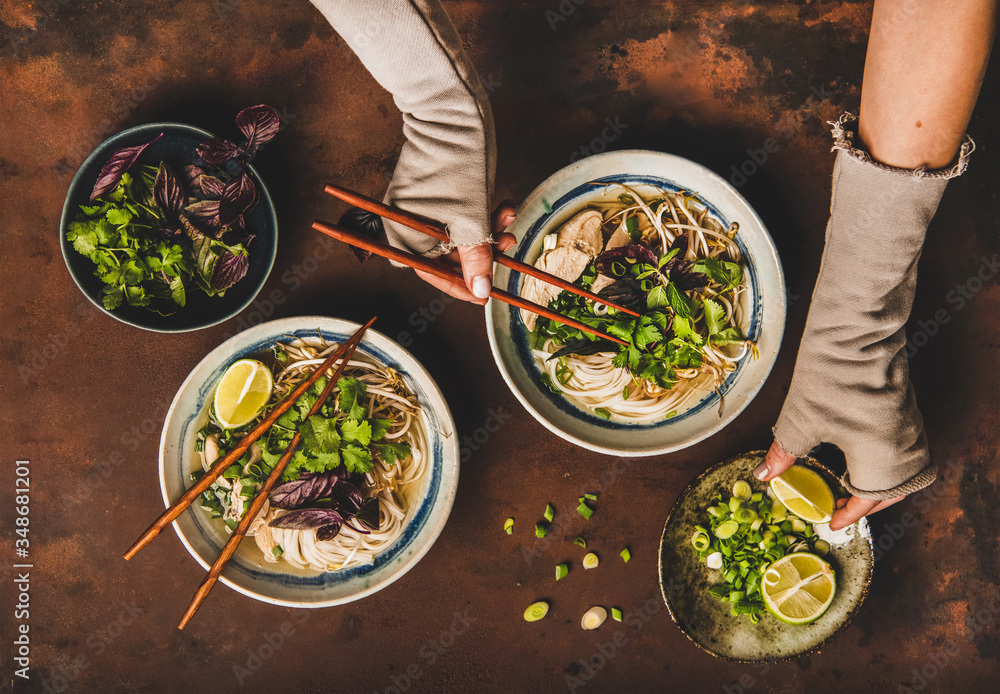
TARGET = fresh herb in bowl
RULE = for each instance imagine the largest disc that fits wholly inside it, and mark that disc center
(155, 236)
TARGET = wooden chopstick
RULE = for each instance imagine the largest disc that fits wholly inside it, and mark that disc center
(438, 232)
(206, 480)
(241, 529)
(438, 270)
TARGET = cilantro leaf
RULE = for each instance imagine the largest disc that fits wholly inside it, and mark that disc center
(352, 395)
(715, 315)
(646, 334)
(319, 435)
(379, 427)
(727, 337)
(392, 453)
(357, 459)
(722, 271)
(354, 431)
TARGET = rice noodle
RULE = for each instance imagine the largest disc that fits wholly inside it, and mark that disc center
(395, 485)
(595, 382)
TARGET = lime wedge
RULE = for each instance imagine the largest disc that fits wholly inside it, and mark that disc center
(798, 588)
(804, 492)
(242, 393)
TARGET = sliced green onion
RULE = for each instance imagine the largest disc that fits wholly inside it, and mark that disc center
(592, 496)
(742, 490)
(541, 529)
(603, 413)
(616, 614)
(755, 526)
(727, 529)
(625, 555)
(277, 551)
(561, 571)
(744, 515)
(756, 497)
(536, 611)
(700, 541)
(590, 561)
(798, 525)
(550, 512)
(584, 510)
(580, 542)
(821, 547)
(735, 503)
(508, 526)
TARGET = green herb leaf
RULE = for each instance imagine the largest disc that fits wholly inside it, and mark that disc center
(715, 315)
(352, 395)
(319, 435)
(357, 459)
(392, 453)
(353, 431)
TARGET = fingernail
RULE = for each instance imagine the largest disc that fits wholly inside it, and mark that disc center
(761, 471)
(481, 287)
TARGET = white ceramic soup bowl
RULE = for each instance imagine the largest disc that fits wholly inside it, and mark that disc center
(281, 583)
(554, 202)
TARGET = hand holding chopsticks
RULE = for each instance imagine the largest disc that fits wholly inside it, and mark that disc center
(437, 231)
(345, 352)
(439, 270)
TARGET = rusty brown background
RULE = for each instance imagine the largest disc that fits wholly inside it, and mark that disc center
(711, 81)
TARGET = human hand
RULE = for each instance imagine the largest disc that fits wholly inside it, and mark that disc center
(476, 262)
(848, 511)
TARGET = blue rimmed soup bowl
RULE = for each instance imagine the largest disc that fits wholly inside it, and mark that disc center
(281, 583)
(562, 196)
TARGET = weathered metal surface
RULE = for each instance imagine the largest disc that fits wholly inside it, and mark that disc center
(713, 81)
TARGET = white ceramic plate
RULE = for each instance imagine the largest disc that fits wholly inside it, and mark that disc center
(281, 583)
(553, 203)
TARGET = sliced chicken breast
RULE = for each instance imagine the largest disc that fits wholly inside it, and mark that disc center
(583, 232)
(565, 262)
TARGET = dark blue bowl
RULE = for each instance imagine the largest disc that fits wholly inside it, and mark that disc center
(177, 147)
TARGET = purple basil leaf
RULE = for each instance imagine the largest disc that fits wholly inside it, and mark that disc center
(191, 175)
(307, 518)
(306, 489)
(357, 530)
(205, 215)
(217, 151)
(238, 197)
(120, 162)
(189, 229)
(625, 292)
(231, 268)
(259, 124)
(611, 262)
(348, 496)
(167, 191)
(679, 270)
(363, 222)
(328, 532)
(582, 348)
(210, 186)
(368, 514)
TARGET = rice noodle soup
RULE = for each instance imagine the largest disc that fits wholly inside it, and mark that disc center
(342, 507)
(664, 255)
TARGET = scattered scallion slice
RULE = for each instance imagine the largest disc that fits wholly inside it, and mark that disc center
(541, 529)
(625, 555)
(536, 611)
(593, 618)
(590, 561)
(508, 526)
(584, 510)
(603, 412)
(550, 512)
(277, 551)
(592, 496)
(616, 614)
(580, 542)
(742, 490)
(727, 529)
(561, 571)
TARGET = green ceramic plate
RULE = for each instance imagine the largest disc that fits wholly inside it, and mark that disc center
(706, 620)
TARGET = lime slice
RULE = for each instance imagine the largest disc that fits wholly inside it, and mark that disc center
(804, 492)
(242, 393)
(798, 588)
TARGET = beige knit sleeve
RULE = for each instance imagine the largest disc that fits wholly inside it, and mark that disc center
(447, 164)
(851, 384)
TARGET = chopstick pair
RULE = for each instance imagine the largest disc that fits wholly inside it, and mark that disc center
(344, 354)
(435, 230)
